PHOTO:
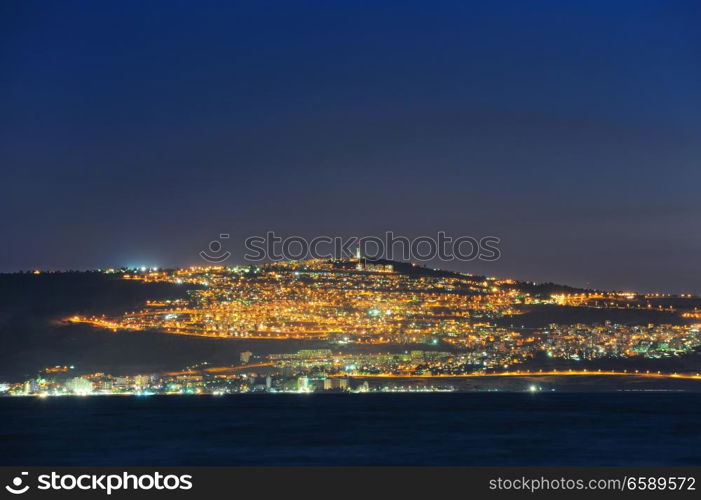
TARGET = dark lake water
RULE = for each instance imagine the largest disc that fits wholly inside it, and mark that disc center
(357, 429)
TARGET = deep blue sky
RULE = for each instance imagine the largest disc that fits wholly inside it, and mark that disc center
(135, 132)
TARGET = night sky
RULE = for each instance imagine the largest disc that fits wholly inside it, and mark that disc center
(135, 132)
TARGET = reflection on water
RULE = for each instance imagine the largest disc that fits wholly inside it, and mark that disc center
(359, 429)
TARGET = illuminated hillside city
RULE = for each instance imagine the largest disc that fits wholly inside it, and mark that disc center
(373, 303)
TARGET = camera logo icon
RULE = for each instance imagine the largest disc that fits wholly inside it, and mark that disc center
(216, 255)
(16, 488)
